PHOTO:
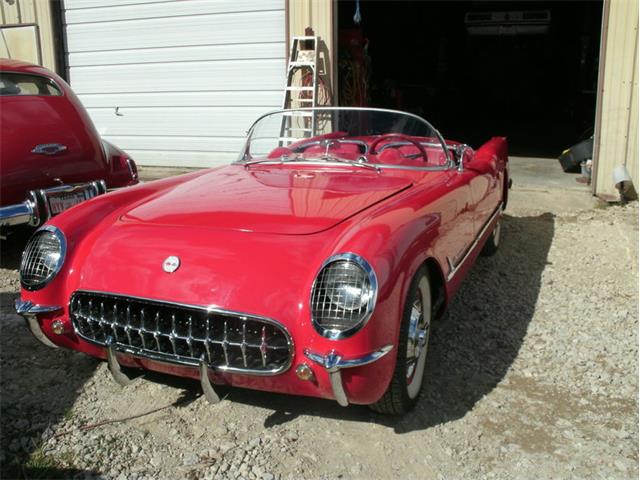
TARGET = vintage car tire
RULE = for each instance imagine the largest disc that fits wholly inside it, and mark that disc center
(403, 394)
(493, 242)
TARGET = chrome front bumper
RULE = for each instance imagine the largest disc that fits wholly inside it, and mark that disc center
(333, 363)
(35, 210)
(29, 311)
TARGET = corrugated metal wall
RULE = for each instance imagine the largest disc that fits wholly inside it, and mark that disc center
(617, 132)
(20, 12)
(176, 83)
(319, 15)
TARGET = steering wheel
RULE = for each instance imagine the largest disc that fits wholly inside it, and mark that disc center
(399, 136)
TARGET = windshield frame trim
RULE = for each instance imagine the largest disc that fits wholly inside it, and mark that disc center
(338, 163)
(450, 163)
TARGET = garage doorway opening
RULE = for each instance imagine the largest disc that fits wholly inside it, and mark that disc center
(525, 70)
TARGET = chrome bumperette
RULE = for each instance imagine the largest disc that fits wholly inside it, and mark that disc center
(181, 334)
(114, 367)
(35, 210)
(333, 363)
(209, 393)
(30, 311)
(335, 334)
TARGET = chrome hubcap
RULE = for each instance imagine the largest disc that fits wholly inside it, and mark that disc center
(418, 338)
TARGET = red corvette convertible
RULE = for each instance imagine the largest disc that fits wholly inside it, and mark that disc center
(314, 265)
(51, 154)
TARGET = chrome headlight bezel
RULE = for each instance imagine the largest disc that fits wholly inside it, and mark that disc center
(367, 308)
(58, 264)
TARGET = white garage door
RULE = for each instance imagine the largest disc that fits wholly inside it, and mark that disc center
(176, 83)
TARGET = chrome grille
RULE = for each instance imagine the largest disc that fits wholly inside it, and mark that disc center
(182, 334)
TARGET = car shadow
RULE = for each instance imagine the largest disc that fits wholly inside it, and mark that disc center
(471, 349)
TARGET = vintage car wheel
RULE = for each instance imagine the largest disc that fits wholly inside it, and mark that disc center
(406, 383)
(493, 242)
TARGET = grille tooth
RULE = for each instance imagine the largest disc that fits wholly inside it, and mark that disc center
(190, 336)
(243, 345)
(206, 342)
(182, 334)
(172, 335)
(156, 335)
(263, 346)
(140, 332)
(225, 344)
(127, 327)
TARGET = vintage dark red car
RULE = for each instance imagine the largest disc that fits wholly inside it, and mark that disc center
(51, 154)
(314, 265)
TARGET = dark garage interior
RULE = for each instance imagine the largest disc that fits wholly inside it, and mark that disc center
(525, 70)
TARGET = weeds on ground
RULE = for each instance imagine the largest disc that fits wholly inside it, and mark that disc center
(38, 465)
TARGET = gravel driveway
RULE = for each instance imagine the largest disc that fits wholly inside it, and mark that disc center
(532, 374)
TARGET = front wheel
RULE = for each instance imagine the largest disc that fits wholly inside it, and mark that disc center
(406, 383)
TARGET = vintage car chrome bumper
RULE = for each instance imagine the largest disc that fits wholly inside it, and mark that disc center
(35, 209)
(333, 363)
(29, 311)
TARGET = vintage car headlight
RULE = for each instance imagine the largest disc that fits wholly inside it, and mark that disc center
(42, 258)
(343, 296)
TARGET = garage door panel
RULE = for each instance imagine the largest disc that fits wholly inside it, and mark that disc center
(215, 122)
(167, 32)
(188, 76)
(244, 98)
(106, 11)
(162, 158)
(252, 51)
(179, 143)
(91, 4)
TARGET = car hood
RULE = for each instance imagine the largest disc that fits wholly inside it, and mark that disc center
(279, 200)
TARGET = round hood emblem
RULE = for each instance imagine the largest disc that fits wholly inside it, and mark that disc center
(171, 264)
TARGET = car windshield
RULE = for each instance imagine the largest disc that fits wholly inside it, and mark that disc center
(357, 136)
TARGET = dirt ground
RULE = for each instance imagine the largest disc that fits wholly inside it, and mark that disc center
(532, 374)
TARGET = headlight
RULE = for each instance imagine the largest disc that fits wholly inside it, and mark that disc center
(43, 258)
(343, 296)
